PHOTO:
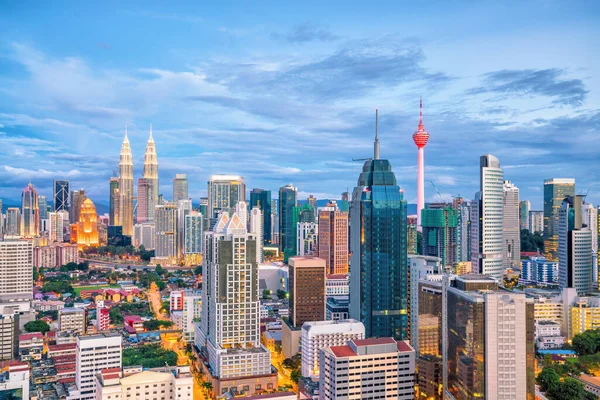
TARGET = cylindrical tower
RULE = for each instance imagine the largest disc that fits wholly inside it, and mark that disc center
(421, 136)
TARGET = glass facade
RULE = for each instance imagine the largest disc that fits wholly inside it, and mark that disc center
(555, 191)
(379, 265)
(440, 233)
(262, 199)
(466, 346)
(288, 199)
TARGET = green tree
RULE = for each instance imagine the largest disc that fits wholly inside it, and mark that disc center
(115, 315)
(198, 270)
(570, 389)
(37, 326)
(281, 294)
(156, 324)
(58, 287)
(548, 379)
(149, 356)
(36, 275)
(266, 294)
(585, 343)
(295, 375)
(159, 270)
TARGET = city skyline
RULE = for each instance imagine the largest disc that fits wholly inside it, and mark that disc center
(280, 93)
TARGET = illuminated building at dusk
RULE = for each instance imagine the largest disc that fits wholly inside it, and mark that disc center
(30, 212)
(85, 232)
(555, 191)
(126, 188)
(150, 175)
(420, 137)
(333, 239)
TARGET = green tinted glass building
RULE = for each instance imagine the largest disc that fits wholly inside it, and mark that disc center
(262, 199)
(288, 220)
(378, 243)
(440, 223)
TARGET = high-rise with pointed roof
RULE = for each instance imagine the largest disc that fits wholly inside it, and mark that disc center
(151, 176)
(126, 188)
(30, 212)
(378, 244)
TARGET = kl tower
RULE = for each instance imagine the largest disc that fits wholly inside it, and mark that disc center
(420, 137)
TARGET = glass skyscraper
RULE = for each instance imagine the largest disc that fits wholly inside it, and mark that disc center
(61, 195)
(288, 199)
(262, 199)
(378, 243)
(555, 191)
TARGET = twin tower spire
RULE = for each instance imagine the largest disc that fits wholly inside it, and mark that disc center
(149, 181)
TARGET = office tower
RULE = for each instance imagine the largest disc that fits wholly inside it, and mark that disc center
(9, 335)
(538, 270)
(307, 236)
(16, 264)
(94, 354)
(126, 188)
(180, 188)
(288, 199)
(256, 227)
(85, 231)
(378, 244)
(262, 199)
(241, 209)
(184, 207)
(30, 212)
(536, 221)
(487, 244)
(575, 267)
(165, 223)
(203, 208)
(43, 206)
(346, 196)
(439, 224)
(306, 290)
(174, 383)
(61, 195)
(77, 199)
(355, 370)
(275, 221)
(411, 232)
(13, 222)
(193, 238)
(555, 191)
(524, 208)
(189, 309)
(230, 326)
(144, 235)
(143, 200)
(102, 316)
(420, 137)
(224, 192)
(511, 226)
(464, 232)
(56, 227)
(488, 340)
(317, 335)
(150, 174)
(590, 218)
(72, 319)
(114, 202)
(1, 219)
(333, 239)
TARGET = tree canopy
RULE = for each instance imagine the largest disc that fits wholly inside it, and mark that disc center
(531, 241)
(37, 326)
(149, 356)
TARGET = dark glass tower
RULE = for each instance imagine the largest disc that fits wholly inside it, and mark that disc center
(61, 196)
(288, 199)
(378, 243)
(262, 199)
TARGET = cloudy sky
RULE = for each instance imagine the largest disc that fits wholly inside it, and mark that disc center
(285, 92)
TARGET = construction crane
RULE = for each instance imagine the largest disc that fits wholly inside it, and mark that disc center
(438, 192)
(361, 159)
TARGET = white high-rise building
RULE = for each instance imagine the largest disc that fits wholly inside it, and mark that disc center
(189, 312)
(144, 235)
(590, 218)
(464, 232)
(16, 270)
(13, 222)
(180, 188)
(94, 354)
(318, 335)
(256, 228)
(307, 236)
(230, 298)
(575, 267)
(56, 226)
(487, 244)
(536, 221)
(184, 207)
(511, 226)
(368, 369)
(165, 220)
(224, 192)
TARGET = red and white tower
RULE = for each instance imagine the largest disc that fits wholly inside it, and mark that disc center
(421, 136)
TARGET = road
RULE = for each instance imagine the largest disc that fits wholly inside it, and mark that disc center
(155, 302)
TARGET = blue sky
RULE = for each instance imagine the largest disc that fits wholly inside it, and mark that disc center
(285, 92)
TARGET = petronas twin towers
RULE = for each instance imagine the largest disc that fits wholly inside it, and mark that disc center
(147, 186)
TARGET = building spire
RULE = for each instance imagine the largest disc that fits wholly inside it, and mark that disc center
(125, 139)
(151, 139)
(421, 126)
(376, 145)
